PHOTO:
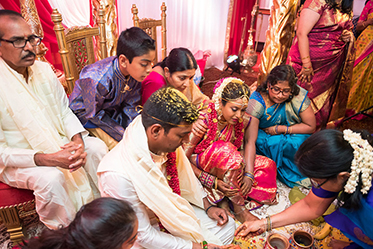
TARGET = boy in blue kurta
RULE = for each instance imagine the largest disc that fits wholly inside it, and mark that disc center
(107, 95)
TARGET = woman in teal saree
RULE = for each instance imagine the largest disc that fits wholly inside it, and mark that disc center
(282, 118)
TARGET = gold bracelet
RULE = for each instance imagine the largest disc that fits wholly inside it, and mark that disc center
(269, 223)
(216, 183)
(305, 57)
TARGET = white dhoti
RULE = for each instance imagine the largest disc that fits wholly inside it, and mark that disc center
(53, 203)
(219, 235)
(36, 118)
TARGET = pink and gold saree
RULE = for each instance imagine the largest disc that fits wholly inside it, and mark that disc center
(332, 61)
(222, 159)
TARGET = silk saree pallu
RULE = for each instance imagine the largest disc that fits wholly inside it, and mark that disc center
(332, 62)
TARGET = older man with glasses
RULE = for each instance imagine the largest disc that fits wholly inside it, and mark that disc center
(43, 146)
(21, 42)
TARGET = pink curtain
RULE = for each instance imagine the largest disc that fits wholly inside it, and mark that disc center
(241, 8)
(91, 22)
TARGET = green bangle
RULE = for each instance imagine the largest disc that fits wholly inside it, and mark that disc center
(204, 244)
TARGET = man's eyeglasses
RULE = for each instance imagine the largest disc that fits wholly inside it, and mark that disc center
(316, 184)
(276, 90)
(21, 43)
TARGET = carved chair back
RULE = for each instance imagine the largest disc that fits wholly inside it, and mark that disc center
(77, 46)
(150, 27)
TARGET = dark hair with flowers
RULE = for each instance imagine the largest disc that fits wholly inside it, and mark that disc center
(168, 107)
(324, 155)
(234, 90)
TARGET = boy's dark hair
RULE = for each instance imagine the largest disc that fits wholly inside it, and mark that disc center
(134, 42)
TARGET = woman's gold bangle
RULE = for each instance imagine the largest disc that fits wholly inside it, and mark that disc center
(269, 223)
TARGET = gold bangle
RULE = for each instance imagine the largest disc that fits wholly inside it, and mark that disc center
(306, 57)
(216, 183)
(269, 223)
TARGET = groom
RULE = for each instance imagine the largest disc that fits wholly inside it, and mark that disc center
(149, 169)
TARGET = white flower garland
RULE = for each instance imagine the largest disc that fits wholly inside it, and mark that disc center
(362, 162)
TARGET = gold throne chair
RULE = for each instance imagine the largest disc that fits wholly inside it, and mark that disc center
(77, 46)
(150, 27)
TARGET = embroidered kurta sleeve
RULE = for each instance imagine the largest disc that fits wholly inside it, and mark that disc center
(88, 103)
(103, 97)
(113, 184)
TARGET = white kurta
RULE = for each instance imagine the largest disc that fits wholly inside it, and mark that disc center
(17, 166)
(130, 172)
